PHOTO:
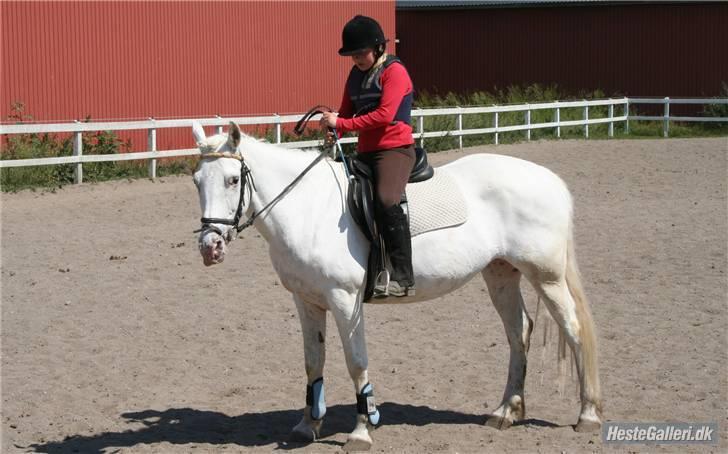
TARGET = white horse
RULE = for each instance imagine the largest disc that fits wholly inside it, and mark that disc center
(519, 223)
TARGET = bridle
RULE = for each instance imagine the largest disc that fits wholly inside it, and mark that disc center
(246, 177)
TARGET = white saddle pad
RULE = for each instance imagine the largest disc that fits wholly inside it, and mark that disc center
(435, 204)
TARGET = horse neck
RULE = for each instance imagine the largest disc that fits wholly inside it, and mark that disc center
(273, 168)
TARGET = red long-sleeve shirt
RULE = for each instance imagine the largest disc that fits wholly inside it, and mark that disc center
(375, 129)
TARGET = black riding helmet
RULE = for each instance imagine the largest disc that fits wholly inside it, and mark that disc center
(361, 33)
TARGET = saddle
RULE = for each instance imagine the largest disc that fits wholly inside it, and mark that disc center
(360, 199)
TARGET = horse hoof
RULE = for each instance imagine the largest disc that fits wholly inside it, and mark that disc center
(304, 432)
(510, 411)
(358, 443)
(498, 422)
(588, 425)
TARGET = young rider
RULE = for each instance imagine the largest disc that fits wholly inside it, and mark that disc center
(377, 103)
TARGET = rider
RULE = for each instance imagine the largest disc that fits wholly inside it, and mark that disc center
(377, 103)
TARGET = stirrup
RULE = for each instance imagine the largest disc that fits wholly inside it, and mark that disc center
(381, 285)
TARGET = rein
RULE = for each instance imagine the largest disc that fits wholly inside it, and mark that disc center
(247, 177)
(301, 124)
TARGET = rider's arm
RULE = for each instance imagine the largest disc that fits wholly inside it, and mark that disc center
(396, 84)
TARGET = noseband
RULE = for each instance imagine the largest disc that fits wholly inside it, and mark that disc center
(245, 177)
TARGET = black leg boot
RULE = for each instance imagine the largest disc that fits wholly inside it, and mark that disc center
(399, 246)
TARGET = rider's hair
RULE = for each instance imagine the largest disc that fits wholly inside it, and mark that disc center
(379, 51)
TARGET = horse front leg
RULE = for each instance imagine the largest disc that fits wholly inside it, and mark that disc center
(347, 311)
(313, 326)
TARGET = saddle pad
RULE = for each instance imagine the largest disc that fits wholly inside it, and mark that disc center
(435, 204)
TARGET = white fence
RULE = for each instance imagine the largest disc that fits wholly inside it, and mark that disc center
(152, 126)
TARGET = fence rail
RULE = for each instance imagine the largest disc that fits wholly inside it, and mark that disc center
(666, 118)
(152, 126)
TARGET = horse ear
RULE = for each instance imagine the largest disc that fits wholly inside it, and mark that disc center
(198, 132)
(234, 135)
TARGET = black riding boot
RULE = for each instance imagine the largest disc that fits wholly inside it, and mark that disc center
(398, 243)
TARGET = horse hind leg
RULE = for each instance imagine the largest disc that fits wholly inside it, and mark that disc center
(503, 281)
(565, 300)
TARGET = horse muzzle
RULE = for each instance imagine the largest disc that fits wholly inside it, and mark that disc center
(212, 248)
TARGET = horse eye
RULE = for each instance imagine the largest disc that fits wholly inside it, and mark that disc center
(232, 181)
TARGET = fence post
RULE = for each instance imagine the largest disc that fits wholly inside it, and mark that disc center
(611, 123)
(278, 128)
(78, 151)
(152, 146)
(558, 122)
(218, 130)
(626, 114)
(666, 121)
(586, 119)
(528, 124)
(495, 125)
(421, 127)
(460, 127)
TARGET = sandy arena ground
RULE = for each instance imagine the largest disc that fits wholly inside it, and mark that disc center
(115, 337)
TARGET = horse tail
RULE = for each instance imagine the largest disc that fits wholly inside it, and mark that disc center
(587, 332)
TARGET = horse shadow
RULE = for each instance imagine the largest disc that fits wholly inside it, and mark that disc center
(181, 426)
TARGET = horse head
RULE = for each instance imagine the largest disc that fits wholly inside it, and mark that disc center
(220, 182)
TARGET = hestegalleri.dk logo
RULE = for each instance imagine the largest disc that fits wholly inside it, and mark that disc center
(660, 433)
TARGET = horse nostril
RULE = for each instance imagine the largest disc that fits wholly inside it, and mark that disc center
(218, 245)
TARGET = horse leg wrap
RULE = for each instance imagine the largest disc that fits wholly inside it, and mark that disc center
(315, 399)
(365, 404)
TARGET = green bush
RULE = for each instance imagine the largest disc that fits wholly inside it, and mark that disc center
(27, 146)
(512, 95)
(717, 110)
(544, 94)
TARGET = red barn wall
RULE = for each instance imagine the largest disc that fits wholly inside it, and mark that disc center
(636, 50)
(132, 60)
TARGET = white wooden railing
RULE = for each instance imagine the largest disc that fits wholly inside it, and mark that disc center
(152, 126)
(666, 118)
